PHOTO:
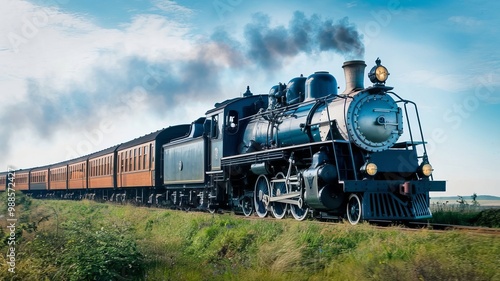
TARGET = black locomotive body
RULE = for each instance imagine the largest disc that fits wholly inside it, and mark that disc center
(307, 149)
(303, 149)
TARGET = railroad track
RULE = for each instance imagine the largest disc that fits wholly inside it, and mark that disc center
(447, 227)
(410, 226)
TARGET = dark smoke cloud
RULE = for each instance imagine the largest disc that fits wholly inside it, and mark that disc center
(269, 47)
(170, 82)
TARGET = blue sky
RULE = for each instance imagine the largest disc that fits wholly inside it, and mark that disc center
(80, 76)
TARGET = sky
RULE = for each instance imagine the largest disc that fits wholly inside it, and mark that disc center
(80, 76)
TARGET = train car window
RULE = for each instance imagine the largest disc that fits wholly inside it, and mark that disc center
(145, 156)
(120, 160)
(214, 130)
(232, 122)
(152, 155)
(135, 159)
(130, 160)
(140, 159)
(126, 161)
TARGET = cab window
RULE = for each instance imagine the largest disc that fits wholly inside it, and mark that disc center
(232, 122)
(214, 130)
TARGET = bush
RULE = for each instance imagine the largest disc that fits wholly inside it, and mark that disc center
(488, 218)
(82, 247)
(107, 253)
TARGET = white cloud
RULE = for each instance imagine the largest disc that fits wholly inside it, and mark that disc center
(465, 21)
(54, 63)
(171, 7)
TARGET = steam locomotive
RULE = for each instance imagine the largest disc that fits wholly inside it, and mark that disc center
(303, 149)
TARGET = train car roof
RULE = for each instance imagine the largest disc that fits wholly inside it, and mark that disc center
(60, 164)
(78, 160)
(103, 152)
(46, 167)
(176, 130)
(27, 170)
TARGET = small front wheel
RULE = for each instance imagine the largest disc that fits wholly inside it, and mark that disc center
(354, 209)
(246, 206)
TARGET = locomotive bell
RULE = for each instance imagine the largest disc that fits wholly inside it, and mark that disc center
(320, 84)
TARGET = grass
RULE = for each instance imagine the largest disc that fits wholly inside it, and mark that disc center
(465, 214)
(175, 245)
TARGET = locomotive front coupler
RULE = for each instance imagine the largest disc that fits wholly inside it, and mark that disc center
(406, 189)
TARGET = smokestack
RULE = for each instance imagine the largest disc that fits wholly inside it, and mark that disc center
(354, 72)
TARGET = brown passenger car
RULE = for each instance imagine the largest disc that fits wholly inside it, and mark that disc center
(77, 173)
(101, 169)
(59, 176)
(39, 178)
(3, 181)
(22, 180)
(139, 160)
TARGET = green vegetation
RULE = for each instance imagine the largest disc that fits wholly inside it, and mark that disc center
(68, 240)
(465, 213)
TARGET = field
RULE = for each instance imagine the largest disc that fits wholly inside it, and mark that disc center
(483, 203)
(83, 240)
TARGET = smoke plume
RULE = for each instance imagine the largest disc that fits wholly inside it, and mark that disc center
(166, 82)
(269, 47)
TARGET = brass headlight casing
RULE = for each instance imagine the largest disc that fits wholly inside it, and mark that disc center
(381, 73)
(371, 169)
(427, 169)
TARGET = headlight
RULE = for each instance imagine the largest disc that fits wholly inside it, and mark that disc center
(427, 169)
(378, 74)
(381, 73)
(371, 169)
